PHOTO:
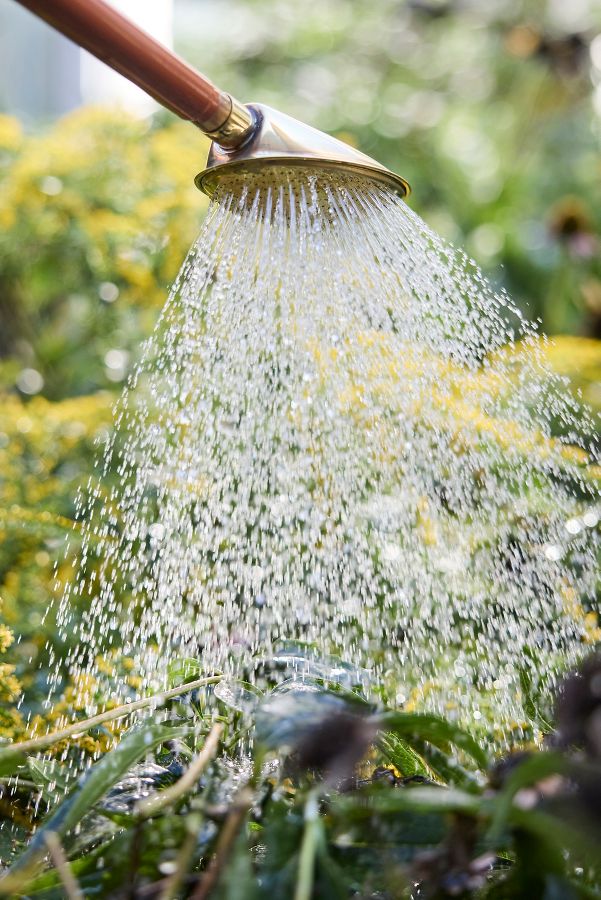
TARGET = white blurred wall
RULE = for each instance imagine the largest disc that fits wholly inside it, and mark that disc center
(43, 75)
(99, 84)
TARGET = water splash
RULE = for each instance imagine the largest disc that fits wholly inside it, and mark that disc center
(334, 436)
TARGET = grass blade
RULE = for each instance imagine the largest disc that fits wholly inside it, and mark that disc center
(94, 785)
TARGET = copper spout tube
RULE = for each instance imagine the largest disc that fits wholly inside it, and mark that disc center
(117, 41)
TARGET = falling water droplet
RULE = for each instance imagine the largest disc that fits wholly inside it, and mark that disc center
(333, 438)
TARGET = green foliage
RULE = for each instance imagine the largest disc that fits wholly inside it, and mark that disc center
(527, 827)
(111, 768)
(96, 218)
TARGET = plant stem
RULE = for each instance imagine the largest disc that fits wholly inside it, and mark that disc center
(308, 851)
(182, 862)
(15, 781)
(225, 843)
(46, 740)
(160, 799)
(135, 856)
(57, 854)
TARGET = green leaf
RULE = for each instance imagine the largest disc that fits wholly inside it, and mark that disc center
(437, 731)
(47, 775)
(83, 865)
(282, 718)
(446, 768)
(11, 761)
(308, 660)
(183, 669)
(111, 768)
(535, 768)
(362, 819)
(402, 756)
(531, 701)
(424, 798)
(238, 695)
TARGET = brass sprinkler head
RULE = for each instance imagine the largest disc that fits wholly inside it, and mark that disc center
(278, 139)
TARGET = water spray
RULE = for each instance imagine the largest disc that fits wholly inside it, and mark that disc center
(339, 434)
(246, 138)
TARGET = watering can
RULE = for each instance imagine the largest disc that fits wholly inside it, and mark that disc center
(245, 137)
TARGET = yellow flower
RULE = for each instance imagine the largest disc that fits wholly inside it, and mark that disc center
(10, 686)
(6, 638)
(11, 133)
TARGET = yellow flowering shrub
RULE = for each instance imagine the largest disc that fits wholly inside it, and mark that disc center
(96, 217)
(579, 359)
(11, 720)
(81, 698)
(46, 453)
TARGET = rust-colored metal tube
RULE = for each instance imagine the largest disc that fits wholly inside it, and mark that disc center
(116, 40)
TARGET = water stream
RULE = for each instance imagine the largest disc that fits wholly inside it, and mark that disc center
(339, 433)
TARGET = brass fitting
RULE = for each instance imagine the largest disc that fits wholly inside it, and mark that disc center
(238, 125)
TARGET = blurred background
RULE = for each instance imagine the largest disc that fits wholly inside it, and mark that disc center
(490, 108)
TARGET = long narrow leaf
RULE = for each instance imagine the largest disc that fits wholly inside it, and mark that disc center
(94, 785)
(424, 799)
(11, 761)
(533, 769)
(433, 729)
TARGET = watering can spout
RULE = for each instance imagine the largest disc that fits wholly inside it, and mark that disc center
(276, 139)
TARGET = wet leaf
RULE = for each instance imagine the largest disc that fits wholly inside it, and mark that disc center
(95, 784)
(421, 798)
(434, 729)
(306, 661)
(238, 695)
(282, 718)
(402, 756)
(11, 761)
(447, 768)
(49, 778)
(182, 669)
